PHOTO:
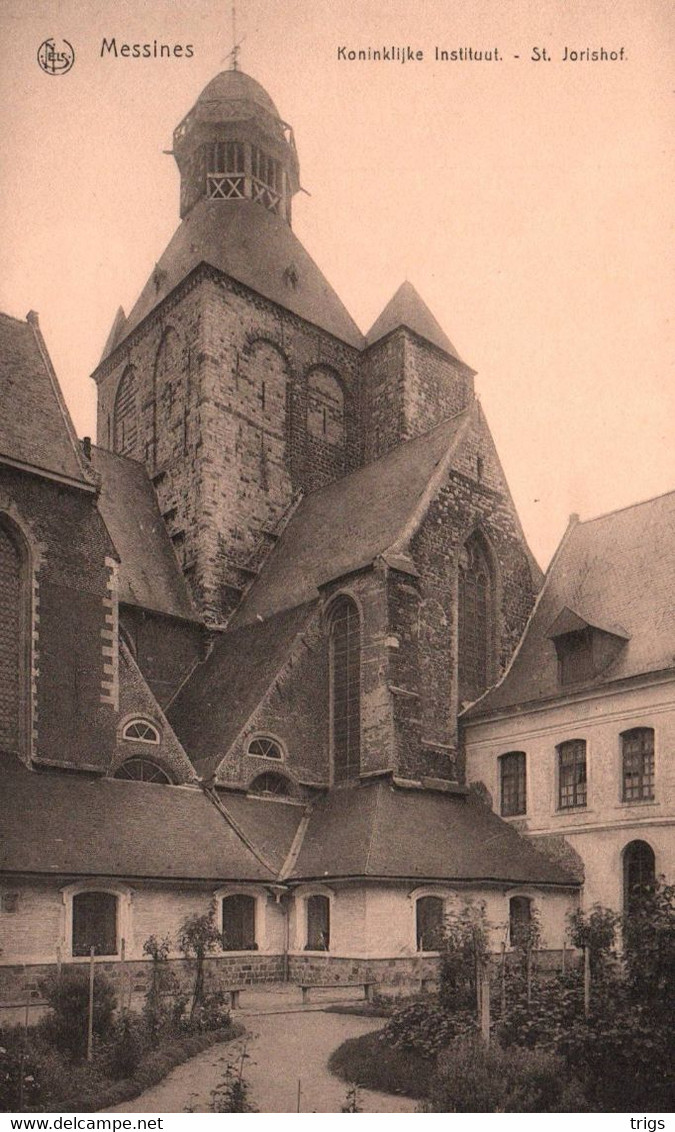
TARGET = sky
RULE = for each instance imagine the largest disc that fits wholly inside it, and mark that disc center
(530, 202)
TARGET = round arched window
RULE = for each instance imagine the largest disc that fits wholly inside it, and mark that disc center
(141, 731)
(271, 786)
(142, 770)
(265, 748)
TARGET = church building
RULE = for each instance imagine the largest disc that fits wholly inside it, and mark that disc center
(238, 631)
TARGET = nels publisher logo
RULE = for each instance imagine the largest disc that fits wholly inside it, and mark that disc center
(56, 56)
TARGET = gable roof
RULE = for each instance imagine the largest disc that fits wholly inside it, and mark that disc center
(252, 245)
(617, 573)
(215, 703)
(347, 524)
(381, 831)
(35, 426)
(149, 573)
(406, 308)
(65, 824)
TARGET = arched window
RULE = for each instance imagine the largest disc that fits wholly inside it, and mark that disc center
(520, 920)
(639, 873)
(170, 403)
(13, 638)
(125, 414)
(271, 785)
(264, 748)
(238, 922)
(318, 923)
(95, 923)
(141, 731)
(512, 772)
(429, 920)
(474, 620)
(637, 749)
(142, 770)
(571, 774)
(345, 688)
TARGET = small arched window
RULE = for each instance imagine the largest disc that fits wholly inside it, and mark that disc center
(637, 749)
(429, 921)
(238, 922)
(13, 638)
(141, 731)
(474, 620)
(639, 873)
(318, 923)
(142, 770)
(95, 917)
(271, 786)
(263, 747)
(125, 414)
(345, 688)
(520, 920)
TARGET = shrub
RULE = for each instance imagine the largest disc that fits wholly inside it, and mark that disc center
(160, 1013)
(555, 1005)
(464, 951)
(365, 1061)
(471, 1077)
(198, 936)
(213, 1013)
(232, 1094)
(425, 1028)
(649, 946)
(67, 995)
(127, 1044)
(596, 930)
(18, 1059)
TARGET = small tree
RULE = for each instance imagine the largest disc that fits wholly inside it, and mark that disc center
(649, 945)
(596, 930)
(198, 937)
(464, 953)
(162, 983)
(67, 994)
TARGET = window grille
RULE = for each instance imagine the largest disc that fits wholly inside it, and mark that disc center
(346, 689)
(142, 770)
(572, 774)
(513, 783)
(238, 921)
(95, 923)
(264, 748)
(141, 731)
(638, 764)
(429, 921)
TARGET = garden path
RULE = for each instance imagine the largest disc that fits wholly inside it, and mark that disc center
(287, 1043)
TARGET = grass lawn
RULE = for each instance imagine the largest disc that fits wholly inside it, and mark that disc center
(369, 1062)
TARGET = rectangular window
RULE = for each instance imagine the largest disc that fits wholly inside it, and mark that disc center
(318, 923)
(239, 923)
(638, 764)
(571, 774)
(513, 783)
(95, 923)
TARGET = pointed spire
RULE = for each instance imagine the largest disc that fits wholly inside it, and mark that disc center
(406, 308)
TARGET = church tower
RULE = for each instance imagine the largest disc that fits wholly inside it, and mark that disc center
(235, 377)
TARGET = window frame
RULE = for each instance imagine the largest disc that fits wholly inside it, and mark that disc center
(28, 556)
(260, 916)
(562, 749)
(300, 925)
(645, 778)
(521, 897)
(627, 850)
(502, 763)
(352, 767)
(419, 899)
(263, 737)
(124, 924)
(149, 723)
(165, 780)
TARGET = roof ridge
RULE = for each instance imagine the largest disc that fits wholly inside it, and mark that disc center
(410, 526)
(626, 507)
(234, 825)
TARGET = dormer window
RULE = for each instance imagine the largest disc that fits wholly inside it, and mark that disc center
(584, 648)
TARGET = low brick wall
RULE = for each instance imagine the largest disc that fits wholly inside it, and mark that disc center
(393, 976)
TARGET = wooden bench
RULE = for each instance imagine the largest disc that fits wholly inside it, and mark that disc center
(234, 993)
(367, 985)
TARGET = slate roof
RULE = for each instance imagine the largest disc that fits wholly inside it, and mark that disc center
(271, 825)
(347, 524)
(149, 572)
(212, 707)
(252, 245)
(406, 308)
(232, 86)
(35, 427)
(381, 831)
(616, 572)
(65, 824)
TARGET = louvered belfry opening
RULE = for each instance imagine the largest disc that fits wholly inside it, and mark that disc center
(11, 641)
(345, 636)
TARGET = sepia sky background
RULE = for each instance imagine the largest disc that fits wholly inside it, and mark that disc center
(531, 204)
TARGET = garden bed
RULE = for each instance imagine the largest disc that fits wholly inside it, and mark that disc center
(371, 1063)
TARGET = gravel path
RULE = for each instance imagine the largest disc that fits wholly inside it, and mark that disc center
(282, 1048)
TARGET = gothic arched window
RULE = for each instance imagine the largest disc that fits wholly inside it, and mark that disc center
(345, 688)
(170, 402)
(125, 414)
(13, 638)
(474, 620)
(639, 873)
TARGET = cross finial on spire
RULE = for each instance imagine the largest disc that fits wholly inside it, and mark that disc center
(234, 54)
